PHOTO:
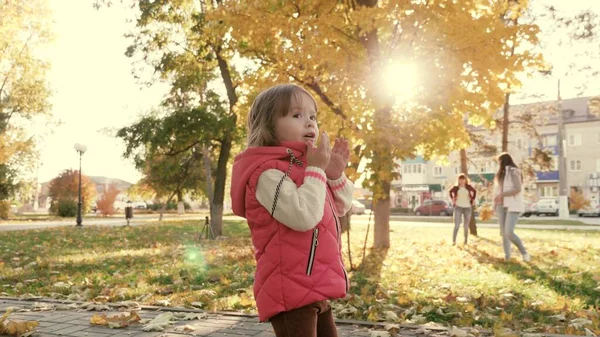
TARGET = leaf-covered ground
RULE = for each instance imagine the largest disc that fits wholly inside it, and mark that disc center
(422, 278)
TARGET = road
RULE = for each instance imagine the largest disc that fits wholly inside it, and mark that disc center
(395, 221)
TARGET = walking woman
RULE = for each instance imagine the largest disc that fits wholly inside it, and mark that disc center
(508, 202)
(463, 197)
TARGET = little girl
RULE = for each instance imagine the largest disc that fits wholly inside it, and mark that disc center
(292, 193)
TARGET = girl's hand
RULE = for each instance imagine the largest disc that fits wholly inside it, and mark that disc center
(319, 156)
(340, 154)
(498, 199)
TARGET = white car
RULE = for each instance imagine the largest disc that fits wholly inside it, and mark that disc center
(593, 209)
(547, 207)
(357, 207)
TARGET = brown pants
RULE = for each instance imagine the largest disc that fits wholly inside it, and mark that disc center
(313, 320)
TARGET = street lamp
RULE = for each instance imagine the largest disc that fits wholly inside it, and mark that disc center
(81, 150)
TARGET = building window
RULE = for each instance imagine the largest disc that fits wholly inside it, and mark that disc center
(549, 192)
(575, 165)
(519, 143)
(574, 139)
(418, 168)
(554, 163)
(456, 170)
(549, 140)
(437, 171)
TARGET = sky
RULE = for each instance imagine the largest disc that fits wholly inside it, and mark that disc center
(93, 89)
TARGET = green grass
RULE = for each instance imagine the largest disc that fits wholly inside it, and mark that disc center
(420, 278)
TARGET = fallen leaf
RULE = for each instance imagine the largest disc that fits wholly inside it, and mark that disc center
(379, 334)
(16, 327)
(115, 321)
(391, 316)
(579, 323)
(456, 332)
(185, 328)
(160, 322)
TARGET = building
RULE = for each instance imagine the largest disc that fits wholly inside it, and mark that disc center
(422, 179)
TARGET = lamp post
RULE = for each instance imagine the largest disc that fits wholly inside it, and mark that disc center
(81, 150)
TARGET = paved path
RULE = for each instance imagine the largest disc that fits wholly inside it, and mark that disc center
(76, 323)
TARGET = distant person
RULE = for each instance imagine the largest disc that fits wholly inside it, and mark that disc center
(508, 201)
(292, 193)
(463, 198)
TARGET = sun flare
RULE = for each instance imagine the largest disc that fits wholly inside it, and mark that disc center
(401, 80)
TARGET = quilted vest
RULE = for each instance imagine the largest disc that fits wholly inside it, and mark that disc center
(294, 268)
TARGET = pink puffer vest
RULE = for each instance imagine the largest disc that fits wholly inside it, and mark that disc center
(294, 269)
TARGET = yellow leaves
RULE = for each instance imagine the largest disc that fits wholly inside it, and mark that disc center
(15, 327)
(115, 321)
(485, 213)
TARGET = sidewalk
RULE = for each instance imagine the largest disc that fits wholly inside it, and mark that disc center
(76, 323)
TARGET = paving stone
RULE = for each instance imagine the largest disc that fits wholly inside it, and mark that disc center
(56, 327)
(71, 330)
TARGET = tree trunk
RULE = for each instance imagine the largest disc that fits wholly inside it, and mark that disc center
(180, 204)
(464, 169)
(216, 207)
(381, 207)
(383, 102)
(164, 206)
(345, 222)
(505, 123)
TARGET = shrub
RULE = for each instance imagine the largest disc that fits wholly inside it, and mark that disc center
(4, 210)
(64, 208)
(107, 201)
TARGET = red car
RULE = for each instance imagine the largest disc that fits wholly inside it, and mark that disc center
(434, 207)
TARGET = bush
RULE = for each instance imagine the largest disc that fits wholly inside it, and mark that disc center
(64, 208)
(4, 210)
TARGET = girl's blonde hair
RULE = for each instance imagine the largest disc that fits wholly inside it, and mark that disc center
(268, 106)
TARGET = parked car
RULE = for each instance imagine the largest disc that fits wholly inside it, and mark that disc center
(434, 207)
(547, 207)
(357, 207)
(593, 209)
(530, 209)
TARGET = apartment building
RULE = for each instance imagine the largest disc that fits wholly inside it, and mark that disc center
(423, 179)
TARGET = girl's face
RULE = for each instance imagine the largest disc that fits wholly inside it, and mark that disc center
(462, 182)
(300, 123)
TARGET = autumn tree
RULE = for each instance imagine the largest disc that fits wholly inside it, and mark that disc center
(65, 189)
(169, 149)
(342, 52)
(24, 26)
(577, 200)
(180, 44)
(106, 203)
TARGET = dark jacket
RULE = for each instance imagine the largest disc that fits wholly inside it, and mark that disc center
(454, 193)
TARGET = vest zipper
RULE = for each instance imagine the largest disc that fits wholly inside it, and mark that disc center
(313, 250)
(339, 234)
